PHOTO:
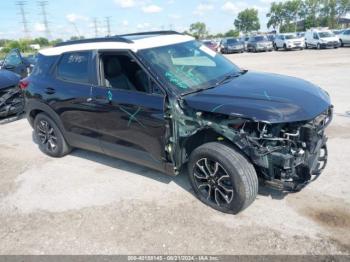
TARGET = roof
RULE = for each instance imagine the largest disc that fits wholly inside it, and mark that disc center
(132, 42)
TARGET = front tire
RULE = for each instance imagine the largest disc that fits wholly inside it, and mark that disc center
(222, 178)
(49, 137)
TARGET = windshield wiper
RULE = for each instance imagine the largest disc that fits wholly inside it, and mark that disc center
(226, 78)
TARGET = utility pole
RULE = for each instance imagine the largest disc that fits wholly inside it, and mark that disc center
(23, 14)
(43, 5)
(108, 25)
(96, 27)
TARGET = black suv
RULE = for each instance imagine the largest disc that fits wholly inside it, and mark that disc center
(166, 101)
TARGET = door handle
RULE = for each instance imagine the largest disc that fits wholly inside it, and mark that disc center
(50, 91)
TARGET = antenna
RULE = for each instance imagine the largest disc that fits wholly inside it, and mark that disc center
(24, 21)
(43, 5)
(108, 24)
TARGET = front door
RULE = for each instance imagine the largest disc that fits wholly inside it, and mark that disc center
(13, 62)
(131, 114)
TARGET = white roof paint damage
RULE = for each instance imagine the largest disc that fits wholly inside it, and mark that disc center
(144, 43)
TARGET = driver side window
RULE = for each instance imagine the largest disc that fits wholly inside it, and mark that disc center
(121, 71)
(13, 59)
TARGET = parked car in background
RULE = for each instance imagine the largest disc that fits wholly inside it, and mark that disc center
(289, 42)
(211, 44)
(15, 62)
(321, 38)
(271, 37)
(301, 34)
(344, 37)
(259, 43)
(11, 99)
(338, 32)
(245, 40)
(231, 45)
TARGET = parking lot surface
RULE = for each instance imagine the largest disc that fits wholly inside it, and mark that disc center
(86, 203)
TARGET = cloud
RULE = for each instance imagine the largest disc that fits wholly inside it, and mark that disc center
(75, 17)
(230, 7)
(203, 8)
(150, 9)
(125, 23)
(125, 3)
(39, 27)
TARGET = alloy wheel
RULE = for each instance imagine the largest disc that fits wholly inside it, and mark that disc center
(213, 182)
(46, 135)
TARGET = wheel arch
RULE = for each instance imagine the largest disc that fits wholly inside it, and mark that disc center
(33, 108)
(204, 136)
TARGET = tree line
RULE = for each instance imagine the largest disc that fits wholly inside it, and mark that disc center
(288, 16)
(300, 15)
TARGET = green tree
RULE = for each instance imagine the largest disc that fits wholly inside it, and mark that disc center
(198, 30)
(41, 41)
(247, 20)
(232, 33)
(56, 41)
(275, 15)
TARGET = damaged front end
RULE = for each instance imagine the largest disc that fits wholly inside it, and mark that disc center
(286, 155)
(11, 101)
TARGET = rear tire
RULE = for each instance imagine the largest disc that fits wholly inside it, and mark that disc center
(222, 178)
(50, 138)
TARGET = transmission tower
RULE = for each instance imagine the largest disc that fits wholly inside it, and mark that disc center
(42, 5)
(108, 25)
(96, 27)
(23, 14)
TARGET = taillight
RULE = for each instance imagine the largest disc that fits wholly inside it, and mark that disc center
(23, 84)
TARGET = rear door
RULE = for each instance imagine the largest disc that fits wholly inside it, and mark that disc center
(130, 120)
(70, 96)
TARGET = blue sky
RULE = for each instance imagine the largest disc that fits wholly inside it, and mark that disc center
(69, 16)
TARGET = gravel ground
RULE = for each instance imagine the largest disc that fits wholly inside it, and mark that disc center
(86, 203)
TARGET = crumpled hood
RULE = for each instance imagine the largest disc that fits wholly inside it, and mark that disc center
(263, 97)
(8, 78)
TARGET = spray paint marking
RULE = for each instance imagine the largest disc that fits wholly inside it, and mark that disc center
(110, 95)
(216, 108)
(132, 117)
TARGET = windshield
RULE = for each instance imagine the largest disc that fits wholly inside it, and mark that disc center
(232, 41)
(260, 38)
(291, 37)
(325, 34)
(188, 66)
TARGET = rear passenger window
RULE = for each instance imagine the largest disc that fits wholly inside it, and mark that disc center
(74, 67)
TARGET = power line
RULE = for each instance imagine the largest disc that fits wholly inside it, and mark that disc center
(43, 5)
(108, 25)
(23, 14)
(96, 27)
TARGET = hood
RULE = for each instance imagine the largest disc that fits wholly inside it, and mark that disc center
(8, 78)
(263, 97)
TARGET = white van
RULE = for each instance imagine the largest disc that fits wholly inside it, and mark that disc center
(321, 38)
